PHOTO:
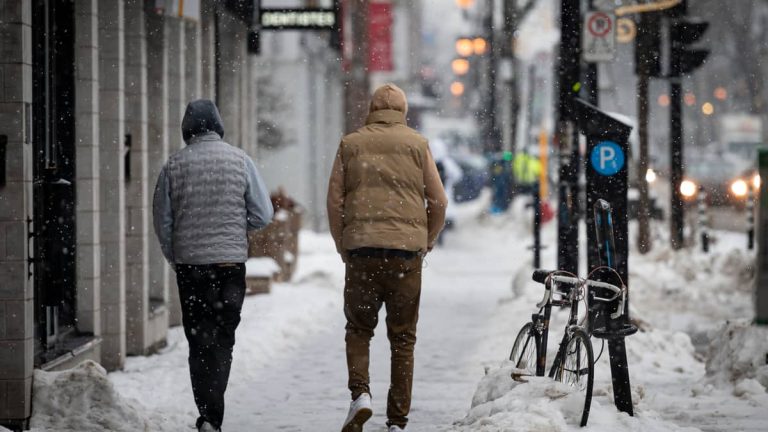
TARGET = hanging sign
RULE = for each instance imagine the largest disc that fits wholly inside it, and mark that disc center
(380, 37)
(599, 37)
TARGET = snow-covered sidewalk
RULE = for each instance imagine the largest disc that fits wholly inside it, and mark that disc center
(289, 372)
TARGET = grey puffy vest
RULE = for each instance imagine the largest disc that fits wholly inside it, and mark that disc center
(207, 187)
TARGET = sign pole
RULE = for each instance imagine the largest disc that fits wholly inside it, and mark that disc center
(677, 212)
(761, 281)
(569, 75)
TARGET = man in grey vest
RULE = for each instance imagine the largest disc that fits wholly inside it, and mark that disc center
(208, 195)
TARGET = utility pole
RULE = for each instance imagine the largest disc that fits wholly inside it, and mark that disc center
(568, 73)
(492, 135)
(356, 85)
(682, 32)
(591, 77)
(513, 16)
(647, 65)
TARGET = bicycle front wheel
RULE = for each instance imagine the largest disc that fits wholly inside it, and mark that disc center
(577, 368)
(525, 350)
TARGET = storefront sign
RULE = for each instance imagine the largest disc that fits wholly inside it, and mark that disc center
(298, 19)
(380, 37)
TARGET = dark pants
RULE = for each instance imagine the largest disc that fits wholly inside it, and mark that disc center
(211, 299)
(396, 283)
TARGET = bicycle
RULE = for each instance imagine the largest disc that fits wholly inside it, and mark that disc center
(574, 362)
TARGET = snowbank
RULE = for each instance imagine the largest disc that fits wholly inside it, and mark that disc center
(542, 404)
(83, 399)
(261, 267)
(739, 354)
(693, 292)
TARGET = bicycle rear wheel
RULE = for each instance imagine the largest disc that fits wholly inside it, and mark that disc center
(525, 350)
(577, 368)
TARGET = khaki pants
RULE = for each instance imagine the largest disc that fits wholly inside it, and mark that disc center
(396, 283)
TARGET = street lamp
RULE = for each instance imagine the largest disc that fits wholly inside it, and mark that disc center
(465, 4)
(708, 108)
(480, 46)
(460, 66)
(465, 47)
(721, 93)
(457, 88)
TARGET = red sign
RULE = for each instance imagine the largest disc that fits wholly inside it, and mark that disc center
(380, 37)
(599, 24)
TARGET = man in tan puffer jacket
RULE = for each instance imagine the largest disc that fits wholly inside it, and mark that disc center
(386, 207)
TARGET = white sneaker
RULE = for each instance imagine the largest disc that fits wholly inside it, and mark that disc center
(395, 428)
(207, 427)
(359, 412)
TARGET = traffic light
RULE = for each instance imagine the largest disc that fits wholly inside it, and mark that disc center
(648, 46)
(682, 33)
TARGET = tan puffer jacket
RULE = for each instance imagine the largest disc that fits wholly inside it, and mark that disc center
(384, 190)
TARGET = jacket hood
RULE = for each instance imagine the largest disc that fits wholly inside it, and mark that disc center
(200, 117)
(389, 97)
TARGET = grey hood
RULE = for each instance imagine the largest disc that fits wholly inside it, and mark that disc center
(201, 116)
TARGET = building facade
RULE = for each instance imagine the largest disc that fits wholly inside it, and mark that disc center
(91, 99)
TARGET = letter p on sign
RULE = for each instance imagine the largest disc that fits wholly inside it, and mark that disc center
(607, 158)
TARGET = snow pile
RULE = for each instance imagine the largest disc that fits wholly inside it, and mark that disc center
(739, 354)
(691, 291)
(693, 265)
(261, 267)
(660, 352)
(83, 399)
(542, 404)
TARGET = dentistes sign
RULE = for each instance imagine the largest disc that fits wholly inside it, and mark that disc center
(298, 19)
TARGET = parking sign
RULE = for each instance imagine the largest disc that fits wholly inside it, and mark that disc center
(607, 158)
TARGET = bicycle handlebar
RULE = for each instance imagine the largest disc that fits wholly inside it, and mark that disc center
(541, 276)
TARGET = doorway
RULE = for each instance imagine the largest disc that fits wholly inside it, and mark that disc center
(53, 219)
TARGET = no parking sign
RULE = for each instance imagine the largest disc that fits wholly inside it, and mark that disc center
(599, 37)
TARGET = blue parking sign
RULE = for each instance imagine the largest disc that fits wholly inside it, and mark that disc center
(607, 158)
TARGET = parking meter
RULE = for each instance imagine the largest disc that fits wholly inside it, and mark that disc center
(607, 245)
(607, 178)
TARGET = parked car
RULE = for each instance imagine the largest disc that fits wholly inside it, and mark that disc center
(475, 170)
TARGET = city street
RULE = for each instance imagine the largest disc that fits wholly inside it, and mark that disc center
(178, 178)
(289, 371)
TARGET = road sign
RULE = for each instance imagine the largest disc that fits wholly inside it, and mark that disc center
(626, 30)
(607, 158)
(604, 5)
(599, 38)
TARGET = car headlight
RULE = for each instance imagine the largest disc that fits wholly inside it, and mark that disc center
(688, 188)
(756, 181)
(650, 175)
(739, 188)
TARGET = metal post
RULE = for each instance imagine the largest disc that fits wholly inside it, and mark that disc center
(761, 261)
(567, 136)
(493, 137)
(676, 163)
(357, 81)
(536, 204)
(647, 44)
(750, 217)
(703, 220)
